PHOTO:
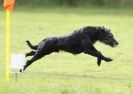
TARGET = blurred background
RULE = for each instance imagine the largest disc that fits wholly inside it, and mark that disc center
(64, 73)
(74, 3)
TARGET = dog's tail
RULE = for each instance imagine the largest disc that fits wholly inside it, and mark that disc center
(34, 47)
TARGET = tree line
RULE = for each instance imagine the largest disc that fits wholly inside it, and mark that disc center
(76, 2)
(100, 2)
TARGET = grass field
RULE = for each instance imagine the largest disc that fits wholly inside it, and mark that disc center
(64, 73)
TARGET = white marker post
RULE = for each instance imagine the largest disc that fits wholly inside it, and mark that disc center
(17, 63)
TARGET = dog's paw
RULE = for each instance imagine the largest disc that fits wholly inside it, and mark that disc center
(108, 59)
(21, 70)
(98, 62)
(27, 41)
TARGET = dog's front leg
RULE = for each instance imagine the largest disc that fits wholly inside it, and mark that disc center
(98, 61)
(107, 59)
(92, 51)
(97, 54)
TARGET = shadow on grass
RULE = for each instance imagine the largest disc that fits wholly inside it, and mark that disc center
(74, 75)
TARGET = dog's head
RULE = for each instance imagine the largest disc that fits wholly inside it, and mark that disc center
(106, 37)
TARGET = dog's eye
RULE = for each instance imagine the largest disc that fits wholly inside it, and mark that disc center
(111, 35)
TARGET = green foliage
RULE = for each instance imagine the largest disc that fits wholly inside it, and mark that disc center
(63, 73)
(74, 3)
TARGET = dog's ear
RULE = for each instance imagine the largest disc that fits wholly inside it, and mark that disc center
(109, 30)
(101, 27)
(98, 28)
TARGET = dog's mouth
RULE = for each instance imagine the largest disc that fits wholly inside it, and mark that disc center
(114, 44)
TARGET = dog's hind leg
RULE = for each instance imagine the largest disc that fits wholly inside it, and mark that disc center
(39, 54)
(44, 48)
(33, 59)
(34, 47)
(31, 53)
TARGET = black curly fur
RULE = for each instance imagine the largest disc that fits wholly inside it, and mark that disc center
(81, 40)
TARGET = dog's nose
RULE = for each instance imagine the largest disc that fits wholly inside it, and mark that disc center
(117, 43)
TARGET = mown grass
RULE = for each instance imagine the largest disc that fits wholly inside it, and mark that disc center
(64, 73)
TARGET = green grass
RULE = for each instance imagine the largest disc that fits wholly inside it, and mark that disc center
(64, 73)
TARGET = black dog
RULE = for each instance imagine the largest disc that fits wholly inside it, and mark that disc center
(79, 41)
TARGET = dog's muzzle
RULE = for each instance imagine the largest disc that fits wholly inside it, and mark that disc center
(115, 44)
